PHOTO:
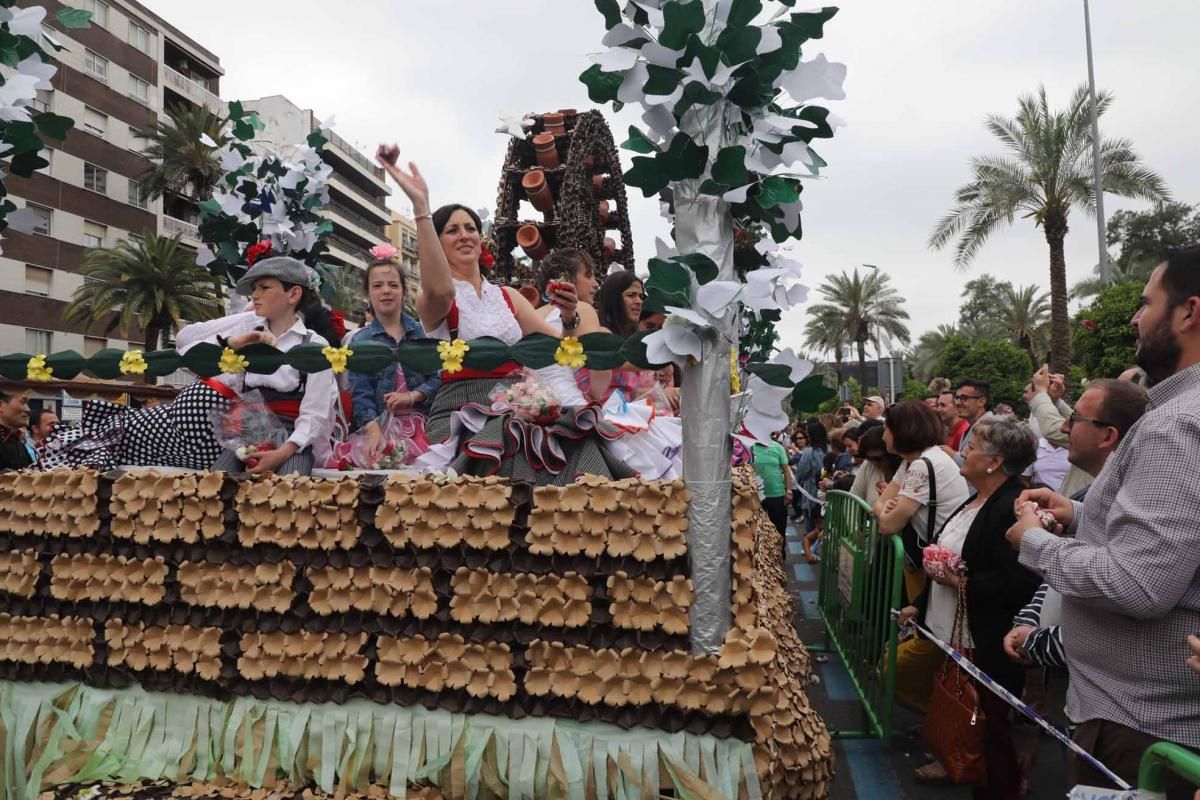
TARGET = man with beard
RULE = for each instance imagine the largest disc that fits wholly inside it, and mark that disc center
(1130, 575)
(954, 425)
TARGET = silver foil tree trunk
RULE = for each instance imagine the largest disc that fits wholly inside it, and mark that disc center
(704, 225)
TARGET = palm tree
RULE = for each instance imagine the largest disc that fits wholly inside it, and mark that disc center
(864, 309)
(345, 289)
(1024, 316)
(1120, 272)
(825, 332)
(183, 164)
(1046, 173)
(153, 283)
(925, 355)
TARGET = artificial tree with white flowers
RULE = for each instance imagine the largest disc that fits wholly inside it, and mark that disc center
(728, 128)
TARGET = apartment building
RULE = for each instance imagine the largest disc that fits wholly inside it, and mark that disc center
(402, 233)
(115, 78)
(357, 191)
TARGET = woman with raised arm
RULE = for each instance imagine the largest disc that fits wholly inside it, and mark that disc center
(456, 301)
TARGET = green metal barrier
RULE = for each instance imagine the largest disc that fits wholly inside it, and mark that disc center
(1162, 758)
(860, 581)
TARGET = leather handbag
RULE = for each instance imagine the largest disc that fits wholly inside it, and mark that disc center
(955, 729)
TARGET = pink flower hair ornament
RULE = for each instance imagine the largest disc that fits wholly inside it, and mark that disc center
(383, 252)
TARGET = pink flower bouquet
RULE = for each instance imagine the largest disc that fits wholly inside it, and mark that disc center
(940, 562)
(530, 398)
(1045, 517)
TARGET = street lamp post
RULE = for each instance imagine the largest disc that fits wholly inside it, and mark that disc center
(1098, 184)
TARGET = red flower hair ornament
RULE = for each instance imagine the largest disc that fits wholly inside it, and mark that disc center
(256, 251)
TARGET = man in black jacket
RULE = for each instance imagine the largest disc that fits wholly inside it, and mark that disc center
(14, 416)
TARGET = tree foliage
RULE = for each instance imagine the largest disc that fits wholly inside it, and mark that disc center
(1045, 174)
(1108, 349)
(1143, 237)
(183, 163)
(1002, 364)
(857, 309)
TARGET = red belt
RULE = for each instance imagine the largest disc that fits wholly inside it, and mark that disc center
(468, 374)
(284, 408)
(220, 388)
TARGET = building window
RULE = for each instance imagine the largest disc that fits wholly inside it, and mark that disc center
(43, 215)
(94, 234)
(43, 99)
(137, 142)
(37, 280)
(94, 121)
(139, 37)
(96, 65)
(99, 11)
(139, 90)
(95, 178)
(93, 345)
(138, 196)
(37, 341)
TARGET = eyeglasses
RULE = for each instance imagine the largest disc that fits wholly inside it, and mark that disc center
(963, 397)
(1099, 423)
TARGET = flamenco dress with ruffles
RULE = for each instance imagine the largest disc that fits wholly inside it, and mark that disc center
(471, 434)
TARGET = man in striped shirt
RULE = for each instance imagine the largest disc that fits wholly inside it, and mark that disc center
(1130, 574)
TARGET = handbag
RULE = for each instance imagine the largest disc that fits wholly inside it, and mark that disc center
(915, 579)
(955, 729)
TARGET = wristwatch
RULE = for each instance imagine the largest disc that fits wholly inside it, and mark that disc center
(572, 323)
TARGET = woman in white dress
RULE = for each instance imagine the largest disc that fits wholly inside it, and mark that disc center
(456, 301)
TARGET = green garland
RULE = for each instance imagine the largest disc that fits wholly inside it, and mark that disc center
(603, 351)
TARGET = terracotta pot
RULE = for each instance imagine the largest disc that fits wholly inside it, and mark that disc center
(554, 124)
(598, 185)
(530, 240)
(538, 190)
(569, 115)
(546, 152)
(610, 246)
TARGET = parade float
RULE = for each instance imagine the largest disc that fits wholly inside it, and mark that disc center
(202, 634)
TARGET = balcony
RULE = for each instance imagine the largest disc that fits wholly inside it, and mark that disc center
(193, 91)
(186, 230)
(372, 204)
(345, 251)
(346, 152)
(371, 232)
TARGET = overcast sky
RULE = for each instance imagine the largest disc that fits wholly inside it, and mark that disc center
(434, 75)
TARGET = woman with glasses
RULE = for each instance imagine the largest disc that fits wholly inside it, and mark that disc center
(996, 586)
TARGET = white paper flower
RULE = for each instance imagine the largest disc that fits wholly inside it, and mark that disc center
(799, 368)
(33, 65)
(812, 79)
(616, 59)
(716, 296)
(231, 159)
(27, 21)
(764, 413)
(674, 342)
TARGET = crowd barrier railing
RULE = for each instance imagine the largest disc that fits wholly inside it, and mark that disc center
(861, 576)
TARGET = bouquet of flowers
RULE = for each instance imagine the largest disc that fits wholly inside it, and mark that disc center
(940, 562)
(1045, 516)
(531, 398)
(248, 427)
(403, 440)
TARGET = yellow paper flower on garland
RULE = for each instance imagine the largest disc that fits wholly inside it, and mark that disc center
(232, 363)
(735, 380)
(36, 369)
(570, 353)
(452, 354)
(133, 362)
(336, 356)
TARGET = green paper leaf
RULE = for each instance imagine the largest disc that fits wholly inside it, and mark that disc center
(603, 350)
(694, 93)
(369, 357)
(662, 80)
(27, 163)
(634, 351)
(730, 166)
(812, 23)
(53, 125)
(637, 142)
(236, 111)
(710, 57)
(316, 140)
(210, 206)
(776, 191)
(774, 374)
(669, 284)
(66, 364)
(739, 44)
(263, 358)
(751, 90)
(9, 56)
(646, 174)
(713, 189)
(535, 350)
(684, 159)
(680, 20)
(106, 364)
(602, 86)
(308, 358)
(810, 393)
(243, 130)
(743, 12)
(419, 354)
(323, 227)
(487, 352)
(74, 18)
(611, 12)
(703, 266)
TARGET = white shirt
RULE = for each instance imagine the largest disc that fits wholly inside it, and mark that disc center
(951, 488)
(865, 478)
(483, 314)
(1051, 465)
(320, 393)
(943, 600)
